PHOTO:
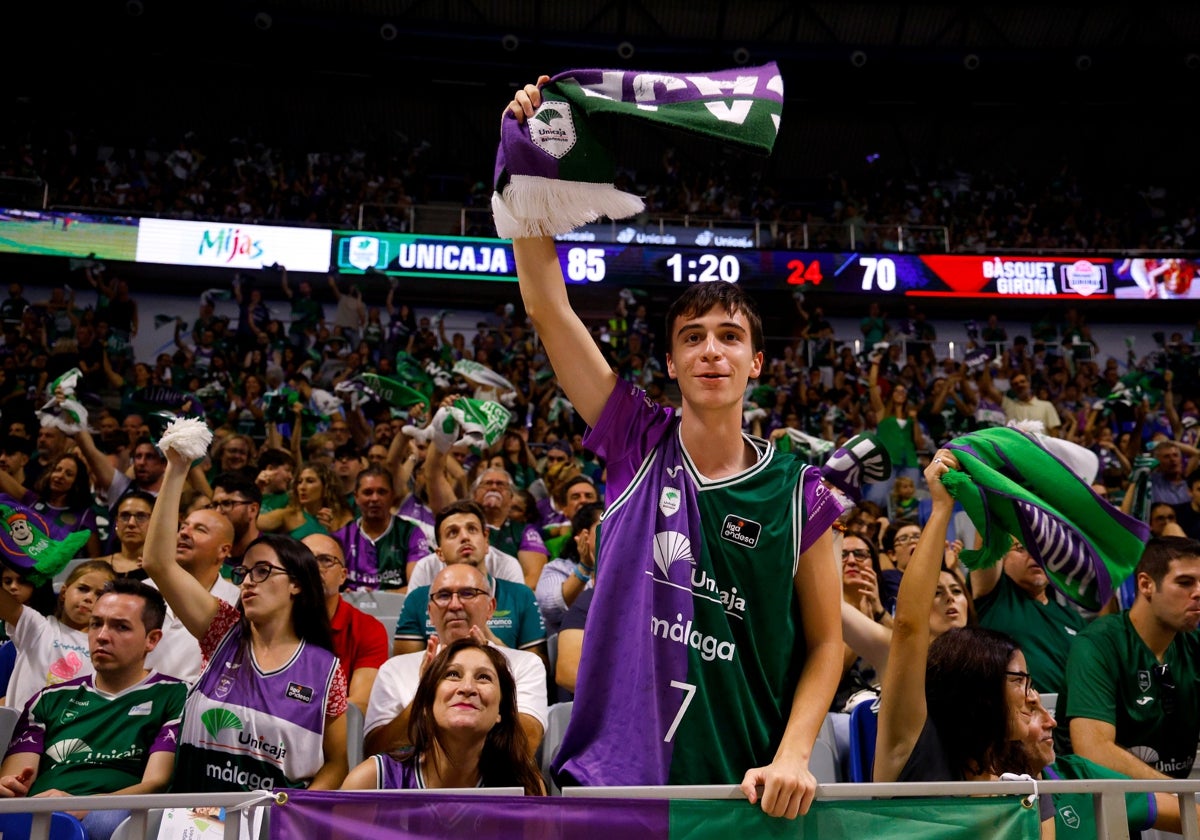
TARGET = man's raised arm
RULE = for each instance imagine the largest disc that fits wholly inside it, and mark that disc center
(580, 367)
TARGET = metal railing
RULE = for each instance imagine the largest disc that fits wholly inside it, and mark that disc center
(1109, 796)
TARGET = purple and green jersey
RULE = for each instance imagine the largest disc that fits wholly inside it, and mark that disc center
(382, 563)
(694, 641)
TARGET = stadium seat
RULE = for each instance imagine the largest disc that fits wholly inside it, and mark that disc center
(556, 724)
(8, 722)
(62, 826)
(354, 735)
(863, 725)
(824, 762)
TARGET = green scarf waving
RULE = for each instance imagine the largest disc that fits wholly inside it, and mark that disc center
(1009, 484)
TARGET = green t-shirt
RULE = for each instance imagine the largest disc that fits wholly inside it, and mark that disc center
(1044, 631)
(91, 742)
(1074, 813)
(273, 501)
(1113, 677)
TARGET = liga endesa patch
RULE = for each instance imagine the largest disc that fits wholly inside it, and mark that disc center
(740, 530)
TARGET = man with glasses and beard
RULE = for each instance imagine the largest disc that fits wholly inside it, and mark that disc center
(238, 499)
(1131, 698)
(460, 605)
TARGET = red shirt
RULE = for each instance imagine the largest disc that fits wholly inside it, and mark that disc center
(359, 640)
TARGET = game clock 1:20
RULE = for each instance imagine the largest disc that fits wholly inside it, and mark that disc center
(704, 268)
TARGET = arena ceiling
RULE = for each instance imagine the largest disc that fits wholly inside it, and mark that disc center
(883, 50)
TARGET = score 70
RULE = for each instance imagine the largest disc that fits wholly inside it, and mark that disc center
(876, 272)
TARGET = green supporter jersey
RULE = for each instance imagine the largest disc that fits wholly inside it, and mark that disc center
(92, 742)
(1043, 631)
(273, 501)
(1074, 814)
(1113, 677)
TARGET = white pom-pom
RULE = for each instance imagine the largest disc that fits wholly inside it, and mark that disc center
(187, 436)
(1033, 427)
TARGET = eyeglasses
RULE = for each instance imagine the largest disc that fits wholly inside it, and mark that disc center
(328, 561)
(226, 505)
(1026, 679)
(1168, 692)
(256, 574)
(855, 553)
(443, 597)
(131, 516)
(905, 539)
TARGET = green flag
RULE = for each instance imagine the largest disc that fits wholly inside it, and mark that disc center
(410, 371)
(394, 392)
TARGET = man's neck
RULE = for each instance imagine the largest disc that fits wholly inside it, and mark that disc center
(715, 443)
(1152, 632)
(115, 683)
(374, 528)
(243, 542)
(496, 517)
(207, 577)
(331, 604)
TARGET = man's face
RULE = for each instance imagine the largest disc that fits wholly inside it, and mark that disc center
(1175, 604)
(1020, 386)
(374, 498)
(462, 538)
(346, 467)
(117, 638)
(579, 494)
(240, 511)
(1160, 517)
(133, 425)
(1170, 462)
(148, 466)
(1025, 571)
(13, 462)
(455, 619)
(330, 560)
(50, 440)
(204, 541)
(376, 455)
(235, 454)
(493, 492)
(340, 431)
(712, 358)
(107, 425)
(1194, 492)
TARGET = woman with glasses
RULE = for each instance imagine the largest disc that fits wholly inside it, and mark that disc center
(63, 495)
(954, 708)
(130, 526)
(464, 730)
(268, 709)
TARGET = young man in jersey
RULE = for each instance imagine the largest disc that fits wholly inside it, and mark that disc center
(714, 650)
(113, 731)
(1131, 696)
(378, 546)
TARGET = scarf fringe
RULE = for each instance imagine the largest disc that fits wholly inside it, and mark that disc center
(531, 206)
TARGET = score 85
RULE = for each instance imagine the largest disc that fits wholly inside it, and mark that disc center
(880, 271)
(585, 264)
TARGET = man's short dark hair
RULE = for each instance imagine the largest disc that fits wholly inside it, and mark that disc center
(1160, 552)
(374, 471)
(271, 457)
(700, 298)
(239, 483)
(1192, 478)
(453, 509)
(154, 609)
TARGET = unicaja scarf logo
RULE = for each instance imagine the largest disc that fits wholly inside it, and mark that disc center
(552, 129)
(214, 720)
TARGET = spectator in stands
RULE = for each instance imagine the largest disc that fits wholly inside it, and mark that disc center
(569, 496)
(238, 499)
(379, 547)
(1021, 404)
(949, 710)
(462, 728)
(1163, 521)
(1131, 697)
(40, 598)
(460, 606)
(898, 431)
(519, 460)
(52, 444)
(347, 463)
(574, 570)
(52, 649)
(1167, 483)
(62, 495)
(1188, 513)
(307, 312)
(295, 697)
(126, 716)
(129, 526)
(315, 505)
(1014, 597)
(234, 454)
(275, 475)
(462, 537)
(14, 455)
(360, 641)
(493, 492)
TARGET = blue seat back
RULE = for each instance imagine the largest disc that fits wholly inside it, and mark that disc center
(864, 722)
